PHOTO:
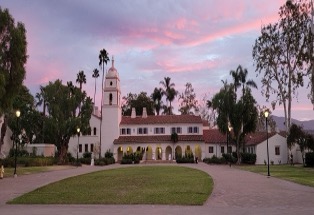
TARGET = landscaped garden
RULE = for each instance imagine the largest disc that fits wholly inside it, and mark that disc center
(172, 185)
(296, 173)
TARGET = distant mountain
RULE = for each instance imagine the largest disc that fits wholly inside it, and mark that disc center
(307, 125)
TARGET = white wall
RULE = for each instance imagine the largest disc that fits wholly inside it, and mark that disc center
(276, 140)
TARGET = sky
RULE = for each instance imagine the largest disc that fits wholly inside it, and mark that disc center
(196, 41)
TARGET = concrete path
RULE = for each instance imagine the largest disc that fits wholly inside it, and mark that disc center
(235, 192)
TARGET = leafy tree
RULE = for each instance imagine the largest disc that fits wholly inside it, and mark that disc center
(261, 122)
(138, 102)
(156, 97)
(13, 57)
(81, 78)
(169, 92)
(61, 122)
(95, 75)
(188, 100)
(299, 136)
(242, 114)
(103, 59)
(280, 54)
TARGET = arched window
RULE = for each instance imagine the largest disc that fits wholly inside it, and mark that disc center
(110, 98)
(95, 129)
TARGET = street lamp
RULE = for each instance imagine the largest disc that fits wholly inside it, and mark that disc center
(266, 113)
(18, 114)
(78, 142)
(228, 137)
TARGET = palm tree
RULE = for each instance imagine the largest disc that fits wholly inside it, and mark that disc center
(103, 59)
(95, 75)
(236, 80)
(41, 99)
(169, 91)
(156, 97)
(81, 79)
(245, 83)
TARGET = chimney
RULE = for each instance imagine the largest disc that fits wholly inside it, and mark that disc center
(144, 115)
(133, 114)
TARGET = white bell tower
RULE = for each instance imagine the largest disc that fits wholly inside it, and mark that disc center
(111, 110)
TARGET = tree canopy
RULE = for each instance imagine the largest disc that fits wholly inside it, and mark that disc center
(13, 57)
(280, 54)
(138, 102)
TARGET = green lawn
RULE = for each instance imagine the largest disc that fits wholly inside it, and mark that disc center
(297, 173)
(173, 185)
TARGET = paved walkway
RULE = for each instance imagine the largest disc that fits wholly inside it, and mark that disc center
(235, 192)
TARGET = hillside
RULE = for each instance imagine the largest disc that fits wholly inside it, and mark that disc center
(307, 125)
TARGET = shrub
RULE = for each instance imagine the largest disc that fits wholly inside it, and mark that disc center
(309, 159)
(248, 158)
(229, 158)
(214, 160)
(108, 154)
(104, 161)
(187, 158)
(135, 158)
(87, 155)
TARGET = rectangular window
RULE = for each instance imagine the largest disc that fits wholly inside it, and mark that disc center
(122, 131)
(190, 130)
(140, 131)
(179, 130)
(173, 130)
(211, 149)
(162, 130)
(86, 147)
(92, 147)
(156, 130)
(195, 130)
(80, 147)
(222, 150)
(128, 131)
(95, 129)
(277, 150)
(144, 130)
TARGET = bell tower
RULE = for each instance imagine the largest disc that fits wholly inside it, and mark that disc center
(111, 109)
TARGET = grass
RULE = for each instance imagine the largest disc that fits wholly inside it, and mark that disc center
(8, 172)
(297, 173)
(171, 185)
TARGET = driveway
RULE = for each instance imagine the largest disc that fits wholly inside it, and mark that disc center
(235, 192)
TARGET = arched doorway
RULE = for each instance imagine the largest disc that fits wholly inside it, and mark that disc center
(149, 153)
(168, 153)
(129, 150)
(120, 153)
(198, 152)
(188, 150)
(158, 153)
(178, 152)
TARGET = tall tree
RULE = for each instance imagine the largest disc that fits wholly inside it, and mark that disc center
(61, 123)
(81, 78)
(138, 102)
(280, 54)
(13, 57)
(231, 111)
(169, 92)
(243, 80)
(189, 104)
(95, 75)
(103, 59)
(156, 97)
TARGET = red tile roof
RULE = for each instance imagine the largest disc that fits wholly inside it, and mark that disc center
(161, 119)
(258, 137)
(156, 138)
(215, 136)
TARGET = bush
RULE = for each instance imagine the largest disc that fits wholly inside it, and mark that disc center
(229, 158)
(28, 161)
(135, 158)
(104, 161)
(215, 160)
(87, 155)
(20, 153)
(309, 159)
(187, 158)
(248, 158)
(108, 154)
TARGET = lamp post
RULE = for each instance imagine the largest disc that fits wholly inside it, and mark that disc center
(18, 114)
(78, 142)
(228, 137)
(266, 113)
